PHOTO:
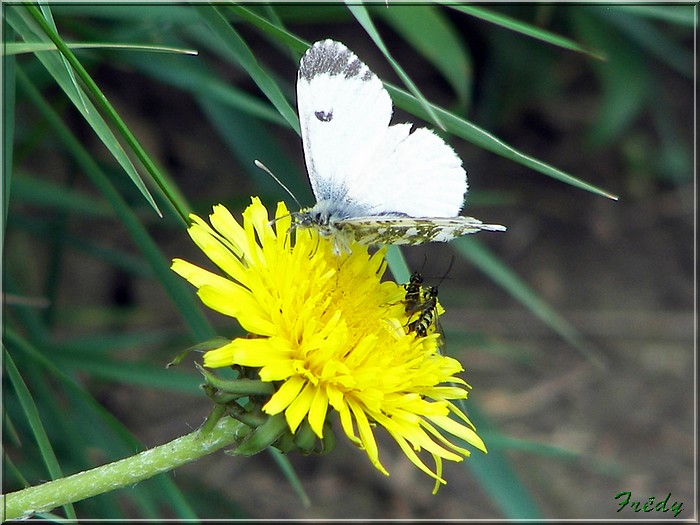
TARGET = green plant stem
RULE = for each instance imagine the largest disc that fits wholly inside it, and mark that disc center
(123, 473)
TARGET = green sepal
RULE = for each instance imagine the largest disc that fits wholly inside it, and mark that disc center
(239, 387)
(285, 443)
(328, 441)
(262, 437)
(251, 416)
(204, 346)
(305, 438)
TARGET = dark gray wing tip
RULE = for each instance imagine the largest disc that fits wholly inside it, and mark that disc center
(334, 58)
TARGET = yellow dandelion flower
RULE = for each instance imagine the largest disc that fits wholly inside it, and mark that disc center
(330, 334)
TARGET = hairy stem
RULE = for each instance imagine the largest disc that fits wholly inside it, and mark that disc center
(125, 472)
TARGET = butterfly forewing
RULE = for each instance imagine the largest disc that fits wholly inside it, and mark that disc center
(344, 112)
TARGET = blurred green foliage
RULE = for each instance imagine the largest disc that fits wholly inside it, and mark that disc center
(63, 190)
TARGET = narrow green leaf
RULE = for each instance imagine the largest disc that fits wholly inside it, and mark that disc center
(233, 42)
(437, 40)
(360, 13)
(48, 17)
(249, 142)
(66, 427)
(526, 29)
(681, 14)
(496, 475)
(474, 134)
(170, 190)
(26, 315)
(275, 30)
(652, 40)
(55, 65)
(129, 15)
(11, 471)
(118, 439)
(16, 48)
(153, 377)
(289, 473)
(625, 78)
(117, 258)
(57, 197)
(8, 134)
(481, 257)
(32, 414)
(113, 342)
(397, 264)
(200, 80)
(181, 296)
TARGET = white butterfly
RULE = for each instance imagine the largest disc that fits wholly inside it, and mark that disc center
(374, 183)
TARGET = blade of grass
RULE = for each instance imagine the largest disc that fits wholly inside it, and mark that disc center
(126, 14)
(120, 441)
(397, 264)
(169, 190)
(153, 377)
(273, 29)
(34, 420)
(16, 48)
(128, 262)
(55, 250)
(481, 257)
(28, 316)
(181, 296)
(56, 197)
(10, 470)
(482, 138)
(676, 14)
(625, 78)
(68, 431)
(284, 465)
(239, 50)
(48, 17)
(248, 140)
(496, 475)
(8, 134)
(526, 29)
(362, 16)
(111, 342)
(437, 40)
(55, 66)
(652, 40)
(201, 81)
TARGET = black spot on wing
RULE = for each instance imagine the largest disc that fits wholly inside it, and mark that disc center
(329, 56)
(324, 116)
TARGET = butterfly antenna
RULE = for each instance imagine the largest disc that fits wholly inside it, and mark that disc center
(264, 168)
(452, 261)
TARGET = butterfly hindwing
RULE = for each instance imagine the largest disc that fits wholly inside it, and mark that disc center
(409, 230)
